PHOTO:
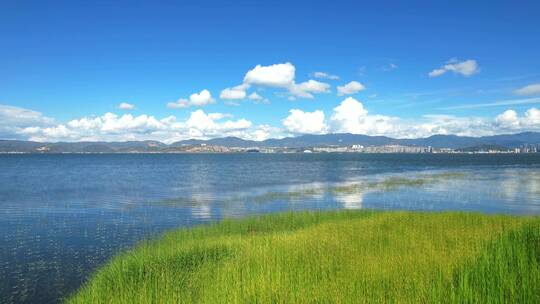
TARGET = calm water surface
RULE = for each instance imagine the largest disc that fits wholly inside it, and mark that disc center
(62, 216)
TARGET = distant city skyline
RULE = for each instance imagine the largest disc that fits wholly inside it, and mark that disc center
(100, 71)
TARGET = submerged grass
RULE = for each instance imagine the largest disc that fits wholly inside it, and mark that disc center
(387, 183)
(337, 257)
(395, 182)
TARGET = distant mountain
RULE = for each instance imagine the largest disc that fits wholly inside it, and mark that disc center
(19, 146)
(346, 139)
(453, 141)
(339, 139)
(80, 147)
(483, 148)
(507, 141)
(223, 141)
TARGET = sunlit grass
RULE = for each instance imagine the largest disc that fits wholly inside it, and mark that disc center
(337, 257)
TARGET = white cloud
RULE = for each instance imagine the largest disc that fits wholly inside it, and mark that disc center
(465, 68)
(437, 72)
(235, 93)
(181, 103)
(17, 117)
(512, 102)
(389, 67)
(258, 99)
(263, 132)
(255, 96)
(508, 119)
(201, 121)
(532, 89)
(351, 117)
(112, 127)
(276, 75)
(201, 99)
(126, 106)
(13, 119)
(314, 86)
(239, 124)
(232, 103)
(196, 99)
(324, 75)
(308, 88)
(439, 124)
(532, 117)
(282, 75)
(231, 94)
(300, 122)
(352, 87)
(218, 116)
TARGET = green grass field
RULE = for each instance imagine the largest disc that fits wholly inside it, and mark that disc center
(331, 257)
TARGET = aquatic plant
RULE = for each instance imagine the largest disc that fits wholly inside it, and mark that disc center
(337, 257)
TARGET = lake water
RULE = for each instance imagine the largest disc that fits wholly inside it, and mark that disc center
(62, 216)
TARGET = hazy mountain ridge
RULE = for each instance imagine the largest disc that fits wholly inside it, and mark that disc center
(342, 139)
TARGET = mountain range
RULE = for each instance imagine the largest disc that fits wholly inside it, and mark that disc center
(341, 139)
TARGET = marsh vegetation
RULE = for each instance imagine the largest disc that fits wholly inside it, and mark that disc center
(338, 257)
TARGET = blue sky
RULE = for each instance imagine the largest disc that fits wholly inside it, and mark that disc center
(419, 68)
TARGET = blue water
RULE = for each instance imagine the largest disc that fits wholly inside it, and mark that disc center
(62, 216)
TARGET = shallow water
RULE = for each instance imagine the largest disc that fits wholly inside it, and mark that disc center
(62, 216)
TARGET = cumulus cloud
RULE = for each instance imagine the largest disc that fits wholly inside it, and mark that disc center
(263, 132)
(324, 75)
(465, 68)
(235, 93)
(308, 88)
(218, 116)
(17, 117)
(196, 99)
(444, 125)
(232, 96)
(113, 127)
(282, 75)
(436, 72)
(508, 119)
(511, 121)
(532, 117)
(351, 117)
(126, 106)
(532, 89)
(90, 128)
(352, 87)
(258, 99)
(300, 122)
(13, 119)
(276, 75)
(255, 96)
